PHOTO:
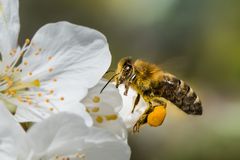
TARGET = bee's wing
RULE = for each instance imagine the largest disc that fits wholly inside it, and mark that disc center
(180, 94)
(175, 64)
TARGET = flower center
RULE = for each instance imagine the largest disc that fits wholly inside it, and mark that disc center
(19, 81)
(11, 85)
(14, 87)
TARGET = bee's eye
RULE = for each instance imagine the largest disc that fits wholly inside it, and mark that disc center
(127, 68)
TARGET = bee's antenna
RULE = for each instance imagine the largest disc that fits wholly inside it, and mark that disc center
(108, 82)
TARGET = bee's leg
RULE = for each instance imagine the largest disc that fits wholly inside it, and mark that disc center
(126, 89)
(136, 102)
(143, 118)
(139, 123)
(158, 102)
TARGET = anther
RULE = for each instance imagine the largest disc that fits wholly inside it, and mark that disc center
(25, 63)
(95, 109)
(99, 119)
(96, 99)
(49, 58)
(51, 91)
(111, 117)
(50, 69)
(27, 41)
(36, 83)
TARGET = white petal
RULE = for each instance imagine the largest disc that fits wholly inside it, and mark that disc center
(13, 141)
(31, 114)
(37, 114)
(9, 26)
(126, 112)
(77, 53)
(79, 109)
(109, 104)
(77, 57)
(67, 135)
(52, 127)
(116, 150)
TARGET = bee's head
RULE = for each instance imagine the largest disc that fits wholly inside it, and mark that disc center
(124, 70)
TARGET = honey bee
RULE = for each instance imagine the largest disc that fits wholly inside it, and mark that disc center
(155, 87)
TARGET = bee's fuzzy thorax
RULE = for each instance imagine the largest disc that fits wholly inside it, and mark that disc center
(148, 71)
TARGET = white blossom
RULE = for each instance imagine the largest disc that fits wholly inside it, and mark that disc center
(51, 72)
(63, 136)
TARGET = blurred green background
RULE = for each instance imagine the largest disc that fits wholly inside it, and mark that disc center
(197, 40)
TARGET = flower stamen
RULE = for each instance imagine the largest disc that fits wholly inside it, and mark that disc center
(99, 119)
(50, 69)
(96, 99)
(25, 85)
(95, 109)
(111, 117)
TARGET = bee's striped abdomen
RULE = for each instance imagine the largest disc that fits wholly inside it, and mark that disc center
(181, 94)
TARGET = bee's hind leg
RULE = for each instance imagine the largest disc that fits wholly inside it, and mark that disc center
(158, 115)
(143, 118)
(158, 102)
